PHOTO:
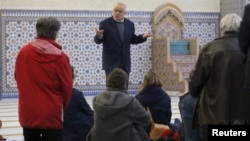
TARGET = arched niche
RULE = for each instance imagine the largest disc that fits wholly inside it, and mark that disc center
(168, 21)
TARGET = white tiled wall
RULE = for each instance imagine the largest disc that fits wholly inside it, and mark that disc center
(132, 5)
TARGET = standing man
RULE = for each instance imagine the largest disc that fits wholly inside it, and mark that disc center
(218, 78)
(117, 34)
(44, 81)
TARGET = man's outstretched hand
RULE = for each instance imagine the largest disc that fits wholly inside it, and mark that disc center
(147, 34)
(99, 32)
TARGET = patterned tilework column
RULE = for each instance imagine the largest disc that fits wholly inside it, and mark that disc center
(76, 36)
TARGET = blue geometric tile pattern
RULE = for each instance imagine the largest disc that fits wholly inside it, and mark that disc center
(205, 26)
(76, 36)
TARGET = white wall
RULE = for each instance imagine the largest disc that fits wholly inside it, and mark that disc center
(132, 5)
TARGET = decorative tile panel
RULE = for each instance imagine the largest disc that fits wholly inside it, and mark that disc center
(204, 26)
(76, 36)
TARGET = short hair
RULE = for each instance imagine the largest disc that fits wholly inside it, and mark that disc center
(230, 22)
(47, 27)
(120, 4)
(117, 79)
(150, 79)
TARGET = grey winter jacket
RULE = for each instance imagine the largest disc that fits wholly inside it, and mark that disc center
(118, 117)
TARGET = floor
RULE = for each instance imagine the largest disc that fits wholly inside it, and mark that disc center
(12, 131)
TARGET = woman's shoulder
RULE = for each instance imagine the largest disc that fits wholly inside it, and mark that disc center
(77, 94)
(76, 91)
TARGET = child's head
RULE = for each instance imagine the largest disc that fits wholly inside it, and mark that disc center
(117, 79)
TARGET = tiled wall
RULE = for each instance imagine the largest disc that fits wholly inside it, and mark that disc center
(76, 37)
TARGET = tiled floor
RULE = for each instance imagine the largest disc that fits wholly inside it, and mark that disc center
(13, 132)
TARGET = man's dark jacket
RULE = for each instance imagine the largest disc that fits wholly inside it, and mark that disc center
(116, 52)
(217, 81)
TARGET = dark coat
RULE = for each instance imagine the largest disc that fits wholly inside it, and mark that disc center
(244, 41)
(116, 53)
(159, 103)
(78, 118)
(217, 82)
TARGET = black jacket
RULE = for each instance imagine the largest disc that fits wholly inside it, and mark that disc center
(78, 118)
(244, 41)
(159, 103)
(116, 52)
(217, 82)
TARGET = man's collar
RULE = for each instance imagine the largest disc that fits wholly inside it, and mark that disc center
(119, 21)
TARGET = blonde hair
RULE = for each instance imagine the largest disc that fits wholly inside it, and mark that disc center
(150, 79)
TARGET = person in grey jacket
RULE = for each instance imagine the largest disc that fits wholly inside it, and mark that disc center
(117, 115)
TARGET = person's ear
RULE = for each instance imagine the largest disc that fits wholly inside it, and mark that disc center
(222, 32)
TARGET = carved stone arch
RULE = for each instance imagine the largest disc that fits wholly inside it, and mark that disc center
(168, 21)
(168, 25)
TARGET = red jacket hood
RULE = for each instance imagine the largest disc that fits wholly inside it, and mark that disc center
(45, 50)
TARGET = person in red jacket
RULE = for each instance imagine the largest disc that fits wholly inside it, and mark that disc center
(44, 82)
